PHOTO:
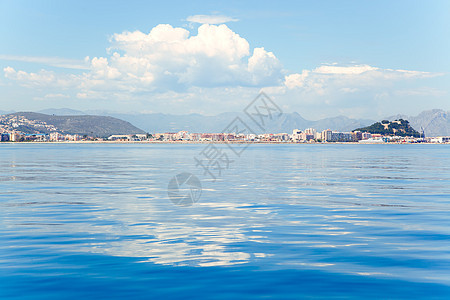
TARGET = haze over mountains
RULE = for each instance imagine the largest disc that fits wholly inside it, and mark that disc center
(435, 122)
(158, 122)
(4, 112)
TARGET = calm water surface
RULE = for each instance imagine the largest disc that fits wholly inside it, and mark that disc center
(283, 222)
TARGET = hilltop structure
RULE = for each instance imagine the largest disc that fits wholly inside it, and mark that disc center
(398, 127)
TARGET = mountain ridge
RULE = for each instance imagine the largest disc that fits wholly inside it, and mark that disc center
(96, 126)
(158, 122)
(436, 122)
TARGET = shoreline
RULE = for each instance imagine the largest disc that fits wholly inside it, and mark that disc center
(214, 142)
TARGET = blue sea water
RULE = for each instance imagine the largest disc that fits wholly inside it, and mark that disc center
(94, 221)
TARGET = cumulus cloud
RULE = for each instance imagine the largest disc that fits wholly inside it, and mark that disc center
(169, 58)
(264, 67)
(296, 80)
(204, 71)
(210, 19)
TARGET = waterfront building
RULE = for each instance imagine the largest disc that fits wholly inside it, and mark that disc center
(357, 136)
(282, 137)
(304, 136)
(296, 135)
(372, 141)
(326, 135)
(4, 137)
(366, 135)
(333, 136)
(120, 137)
(310, 131)
(56, 136)
(440, 139)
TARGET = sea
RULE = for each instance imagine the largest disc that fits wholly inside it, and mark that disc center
(264, 221)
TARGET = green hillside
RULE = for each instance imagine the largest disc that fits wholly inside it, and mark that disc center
(398, 127)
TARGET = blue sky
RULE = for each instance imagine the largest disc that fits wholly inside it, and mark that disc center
(365, 59)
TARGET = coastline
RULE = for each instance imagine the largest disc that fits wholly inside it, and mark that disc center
(215, 142)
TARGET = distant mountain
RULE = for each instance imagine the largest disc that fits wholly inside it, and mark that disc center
(98, 126)
(340, 123)
(173, 123)
(398, 127)
(435, 122)
(62, 112)
(158, 122)
(3, 112)
(198, 123)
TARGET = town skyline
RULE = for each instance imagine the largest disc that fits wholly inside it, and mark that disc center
(18, 128)
(433, 122)
(141, 58)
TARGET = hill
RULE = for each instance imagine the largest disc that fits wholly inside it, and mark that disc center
(397, 127)
(97, 126)
(159, 122)
(435, 122)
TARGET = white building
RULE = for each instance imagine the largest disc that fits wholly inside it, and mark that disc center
(441, 139)
(56, 136)
(310, 131)
(296, 135)
(333, 136)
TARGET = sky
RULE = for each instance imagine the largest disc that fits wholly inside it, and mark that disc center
(360, 59)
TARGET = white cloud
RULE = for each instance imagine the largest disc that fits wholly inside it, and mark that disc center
(332, 89)
(209, 71)
(169, 58)
(210, 19)
(50, 96)
(349, 78)
(346, 70)
(264, 67)
(296, 80)
(43, 78)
